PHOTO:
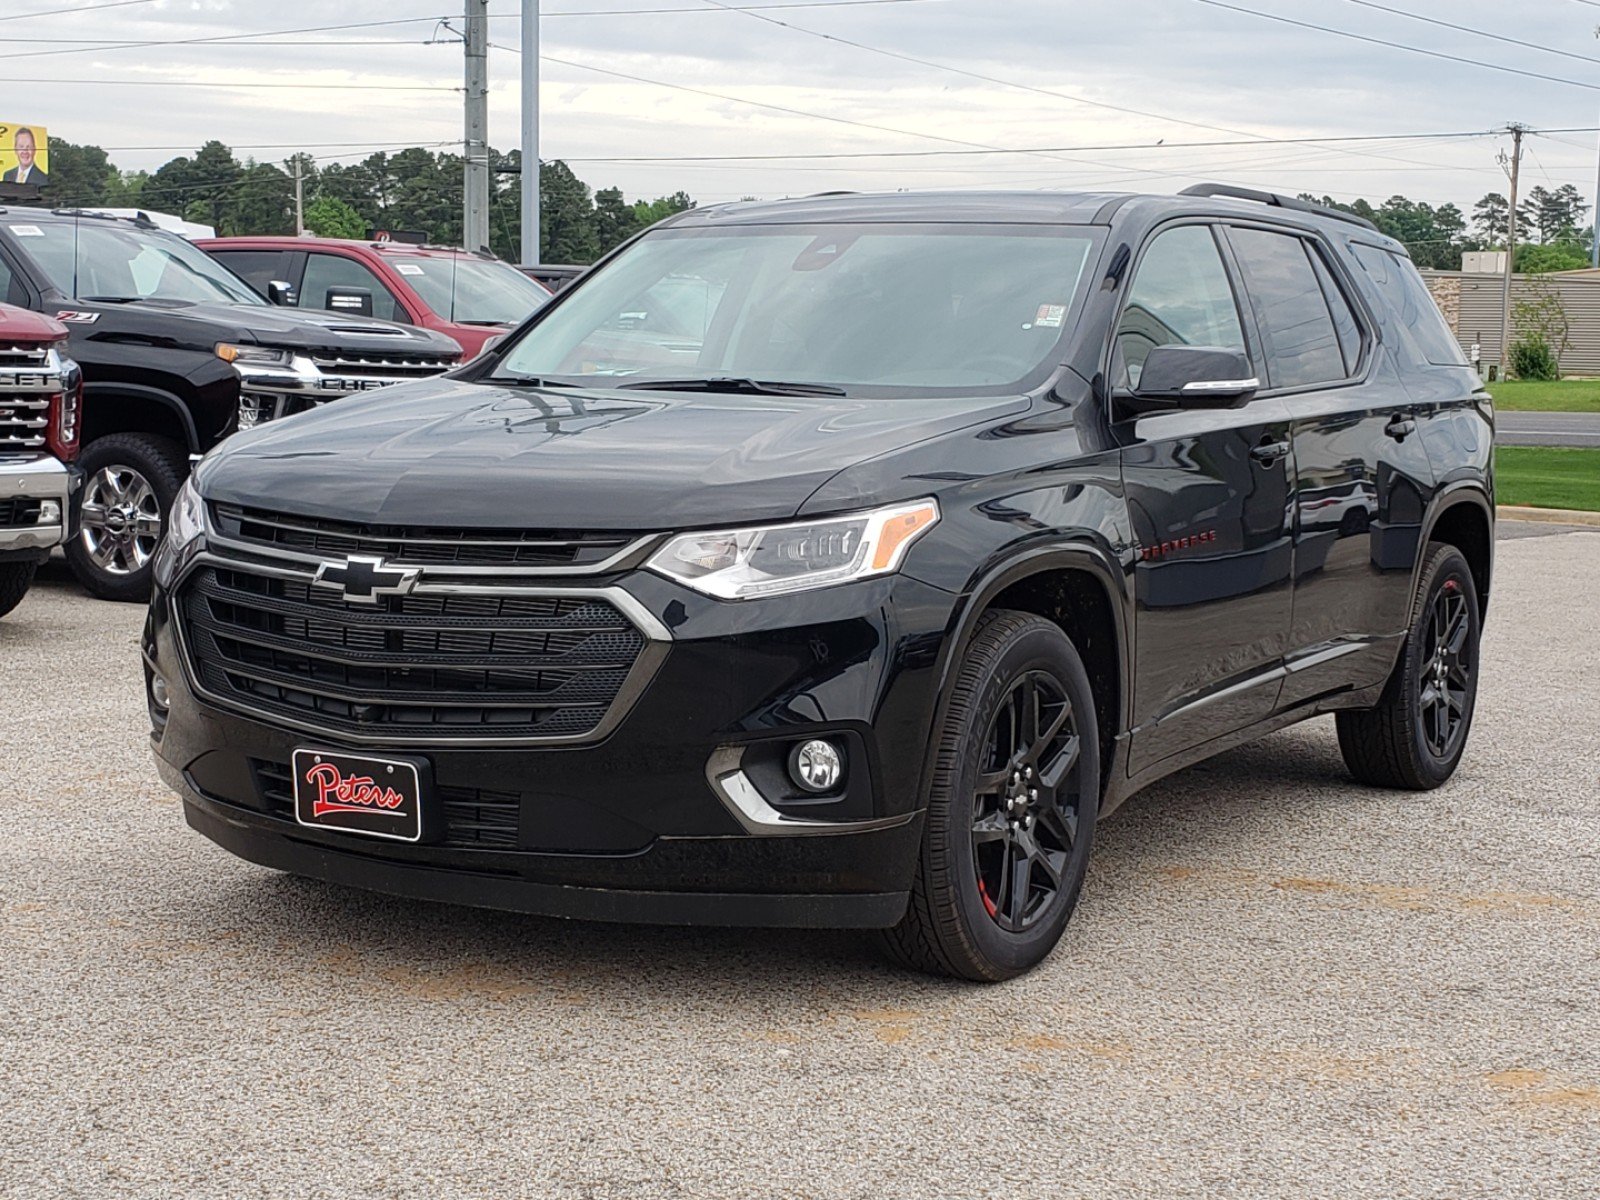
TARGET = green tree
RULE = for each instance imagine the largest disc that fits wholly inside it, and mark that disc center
(566, 216)
(328, 216)
(198, 188)
(1534, 259)
(615, 221)
(649, 212)
(80, 176)
(261, 203)
(1489, 219)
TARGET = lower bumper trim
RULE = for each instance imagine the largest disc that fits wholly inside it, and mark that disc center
(874, 910)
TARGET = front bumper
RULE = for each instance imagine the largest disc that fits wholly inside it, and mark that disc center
(35, 495)
(679, 814)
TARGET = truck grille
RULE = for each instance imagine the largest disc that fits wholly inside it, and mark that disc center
(415, 547)
(422, 668)
(266, 395)
(473, 818)
(29, 376)
(19, 511)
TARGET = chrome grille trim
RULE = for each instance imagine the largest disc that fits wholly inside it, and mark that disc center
(439, 570)
(618, 696)
(29, 376)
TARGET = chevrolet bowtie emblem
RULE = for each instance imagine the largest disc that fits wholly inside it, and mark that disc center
(363, 580)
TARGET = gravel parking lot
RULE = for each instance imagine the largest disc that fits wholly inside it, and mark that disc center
(1278, 984)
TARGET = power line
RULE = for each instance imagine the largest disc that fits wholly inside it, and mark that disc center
(1483, 33)
(51, 12)
(1011, 83)
(1361, 37)
(211, 39)
(630, 12)
(326, 87)
(1091, 148)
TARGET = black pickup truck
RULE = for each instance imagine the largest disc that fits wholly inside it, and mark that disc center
(177, 352)
(841, 561)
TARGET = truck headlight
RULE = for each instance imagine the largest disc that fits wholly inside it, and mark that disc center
(742, 564)
(245, 355)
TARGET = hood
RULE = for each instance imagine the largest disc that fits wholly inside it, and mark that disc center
(20, 326)
(446, 452)
(185, 323)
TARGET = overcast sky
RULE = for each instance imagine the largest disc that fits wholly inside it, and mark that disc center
(1231, 75)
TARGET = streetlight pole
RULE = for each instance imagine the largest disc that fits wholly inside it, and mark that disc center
(530, 133)
(475, 160)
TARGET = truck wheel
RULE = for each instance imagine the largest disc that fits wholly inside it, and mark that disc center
(1011, 812)
(14, 580)
(1416, 734)
(130, 482)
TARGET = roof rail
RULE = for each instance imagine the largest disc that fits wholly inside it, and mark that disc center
(1231, 192)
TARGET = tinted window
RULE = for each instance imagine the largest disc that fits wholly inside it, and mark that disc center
(1180, 297)
(1344, 318)
(118, 260)
(256, 267)
(324, 271)
(1402, 287)
(1302, 346)
(473, 291)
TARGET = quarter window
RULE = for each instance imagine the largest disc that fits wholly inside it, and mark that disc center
(1401, 284)
(1180, 297)
(1303, 346)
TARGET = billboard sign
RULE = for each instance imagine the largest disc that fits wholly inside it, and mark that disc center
(24, 154)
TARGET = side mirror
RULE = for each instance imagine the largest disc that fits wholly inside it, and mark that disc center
(490, 343)
(349, 300)
(1179, 377)
(280, 292)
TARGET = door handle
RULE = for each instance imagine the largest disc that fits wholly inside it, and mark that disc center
(1268, 452)
(1400, 427)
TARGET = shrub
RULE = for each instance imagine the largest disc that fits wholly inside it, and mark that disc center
(1532, 358)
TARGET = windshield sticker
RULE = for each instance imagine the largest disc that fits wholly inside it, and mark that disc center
(408, 268)
(70, 317)
(27, 231)
(1050, 316)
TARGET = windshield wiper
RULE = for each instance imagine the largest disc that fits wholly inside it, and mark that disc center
(737, 386)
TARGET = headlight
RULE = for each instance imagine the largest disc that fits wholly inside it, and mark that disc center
(244, 355)
(742, 564)
(185, 523)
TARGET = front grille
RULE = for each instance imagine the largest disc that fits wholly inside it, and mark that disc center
(268, 394)
(29, 376)
(416, 668)
(416, 547)
(386, 368)
(473, 818)
(18, 512)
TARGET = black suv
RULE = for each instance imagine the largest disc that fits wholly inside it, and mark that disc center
(176, 353)
(840, 562)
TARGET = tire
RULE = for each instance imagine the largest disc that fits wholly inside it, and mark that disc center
(1414, 737)
(14, 580)
(130, 482)
(967, 915)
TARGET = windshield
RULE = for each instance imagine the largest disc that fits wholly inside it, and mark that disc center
(876, 309)
(472, 291)
(116, 260)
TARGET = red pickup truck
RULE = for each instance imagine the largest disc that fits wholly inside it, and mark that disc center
(41, 401)
(470, 297)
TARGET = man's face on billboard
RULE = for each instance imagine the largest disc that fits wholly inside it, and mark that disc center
(24, 144)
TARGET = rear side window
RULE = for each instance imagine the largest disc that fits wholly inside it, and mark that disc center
(1303, 347)
(1402, 287)
(324, 271)
(1180, 297)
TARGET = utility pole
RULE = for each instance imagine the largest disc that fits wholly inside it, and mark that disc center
(299, 199)
(530, 133)
(1594, 251)
(475, 212)
(1516, 132)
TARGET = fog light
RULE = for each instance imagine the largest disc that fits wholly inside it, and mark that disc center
(817, 766)
(50, 512)
(158, 693)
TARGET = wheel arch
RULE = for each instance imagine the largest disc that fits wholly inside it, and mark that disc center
(137, 408)
(1079, 587)
(1463, 517)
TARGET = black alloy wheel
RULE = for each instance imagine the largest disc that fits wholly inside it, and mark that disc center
(1025, 818)
(1011, 808)
(1415, 735)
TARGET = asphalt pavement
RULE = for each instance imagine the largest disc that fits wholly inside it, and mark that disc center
(1278, 984)
(1547, 429)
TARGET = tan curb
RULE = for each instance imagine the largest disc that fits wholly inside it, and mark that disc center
(1553, 516)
